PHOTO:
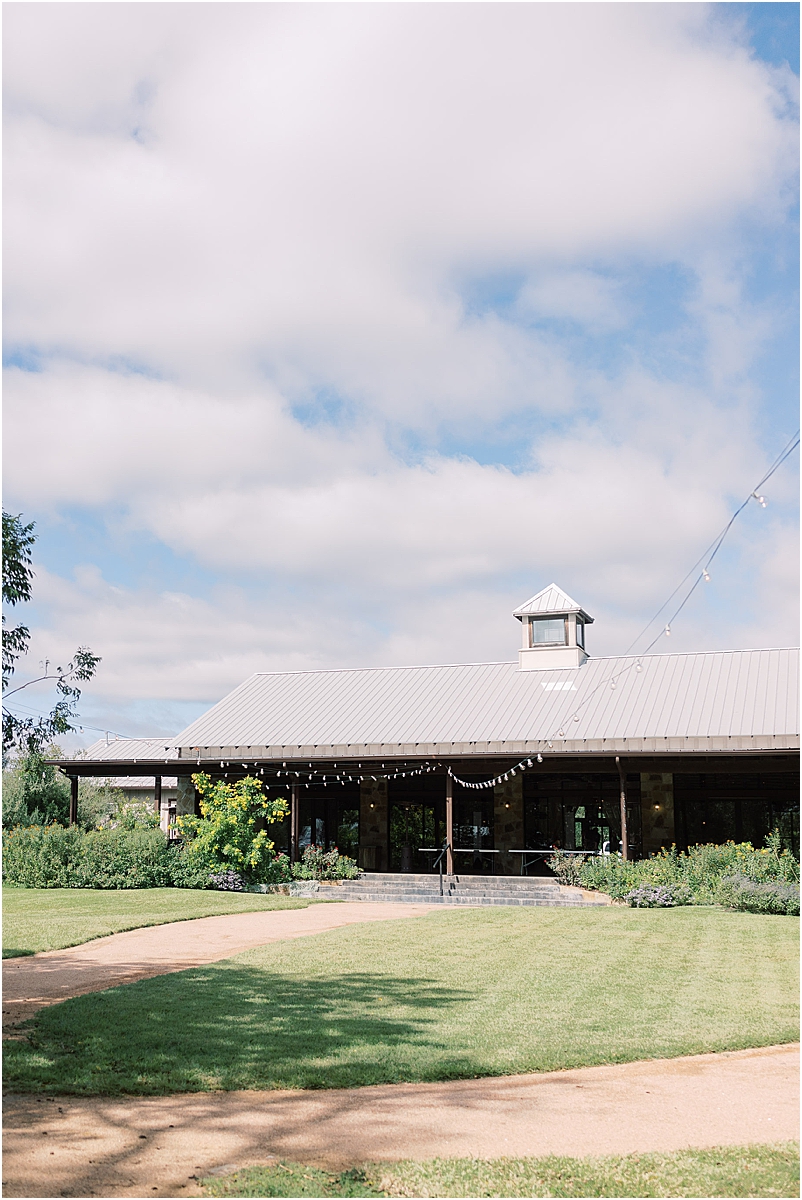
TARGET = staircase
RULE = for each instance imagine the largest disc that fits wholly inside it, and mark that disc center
(466, 889)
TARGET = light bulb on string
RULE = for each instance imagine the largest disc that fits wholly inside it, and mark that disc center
(612, 685)
(639, 666)
(540, 758)
(706, 575)
(667, 631)
(576, 718)
(762, 501)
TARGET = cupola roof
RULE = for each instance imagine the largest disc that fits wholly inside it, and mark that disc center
(551, 601)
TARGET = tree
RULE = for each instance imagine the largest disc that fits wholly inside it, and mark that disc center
(30, 735)
(232, 833)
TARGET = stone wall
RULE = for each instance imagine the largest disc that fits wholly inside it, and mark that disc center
(373, 825)
(508, 809)
(657, 812)
(185, 796)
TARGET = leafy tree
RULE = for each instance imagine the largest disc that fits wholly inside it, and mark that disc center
(231, 833)
(31, 734)
(34, 793)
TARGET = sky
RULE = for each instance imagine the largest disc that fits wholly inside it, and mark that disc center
(335, 331)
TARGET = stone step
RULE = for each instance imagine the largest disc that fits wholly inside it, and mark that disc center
(483, 901)
(479, 883)
(466, 881)
(448, 887)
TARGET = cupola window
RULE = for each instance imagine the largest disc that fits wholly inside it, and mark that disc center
(549, 631)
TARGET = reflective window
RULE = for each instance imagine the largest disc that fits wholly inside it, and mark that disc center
(548, 631)
(580, 633)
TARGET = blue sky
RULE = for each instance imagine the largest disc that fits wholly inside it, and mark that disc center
(334, 332)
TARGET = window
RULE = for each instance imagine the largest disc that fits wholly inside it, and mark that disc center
(549, 631)
(580, 633)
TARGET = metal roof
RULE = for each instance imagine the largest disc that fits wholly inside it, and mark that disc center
(137, 782)
(131, 749)
(551, 600)
(737, 699)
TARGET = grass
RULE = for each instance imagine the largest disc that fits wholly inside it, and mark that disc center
(723, 1171)
(456, 994)
(37, 919)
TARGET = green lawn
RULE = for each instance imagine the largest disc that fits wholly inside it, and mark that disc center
(452, 995)
(725, 1171)
(50, 919)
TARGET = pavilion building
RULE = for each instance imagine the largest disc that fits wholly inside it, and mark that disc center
(501, 760)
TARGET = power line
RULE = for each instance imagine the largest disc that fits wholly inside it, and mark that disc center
(712, 550)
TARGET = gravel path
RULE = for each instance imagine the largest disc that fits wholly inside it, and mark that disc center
(161, 1146)
(31, 983)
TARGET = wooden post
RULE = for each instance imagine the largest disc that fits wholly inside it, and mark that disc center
(73, 799)
(450, 825)
(622, 779)
(294, 822)
(157, 797)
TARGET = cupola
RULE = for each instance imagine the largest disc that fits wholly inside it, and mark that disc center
(553, 631)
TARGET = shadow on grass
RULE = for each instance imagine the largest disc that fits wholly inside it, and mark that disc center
(234, 1026)
(8, 952)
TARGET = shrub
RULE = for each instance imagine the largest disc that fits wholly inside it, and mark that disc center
(48, 856)
(126, 814)
(701, 870)
(317, 863)
(745, 895)
(42, 856)
(278, 870)
(662, 896)
(33, 793)
(609, 873)
(231, 833)
(226, 881)
(567, 867)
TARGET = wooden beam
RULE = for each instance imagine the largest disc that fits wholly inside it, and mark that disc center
(73, 799)
(450, 825)
(157, 797)
(622, 778)
(294, 822)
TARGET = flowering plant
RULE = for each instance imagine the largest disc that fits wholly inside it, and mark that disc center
(231, 834)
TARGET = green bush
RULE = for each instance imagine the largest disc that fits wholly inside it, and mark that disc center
(317, 863)
(232, 832)
(51, 856)
(745, 895)
(701, 870)
(55, 856)
(33, 793)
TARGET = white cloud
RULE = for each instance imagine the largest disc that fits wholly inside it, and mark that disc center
(216, 212)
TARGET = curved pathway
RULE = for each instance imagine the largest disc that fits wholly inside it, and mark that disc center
(162, 1145)
(31, 983)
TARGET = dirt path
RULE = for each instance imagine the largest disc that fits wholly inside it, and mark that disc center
(31, 983)
(160, 1146)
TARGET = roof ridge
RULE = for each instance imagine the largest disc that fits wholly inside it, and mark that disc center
(513, 663)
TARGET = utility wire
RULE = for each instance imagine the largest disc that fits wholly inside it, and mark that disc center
(712, 550)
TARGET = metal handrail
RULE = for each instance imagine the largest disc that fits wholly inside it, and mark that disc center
(438, 862)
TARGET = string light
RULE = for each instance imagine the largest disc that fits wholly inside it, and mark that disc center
(762, 501)
(706, 575)
(667, 631)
